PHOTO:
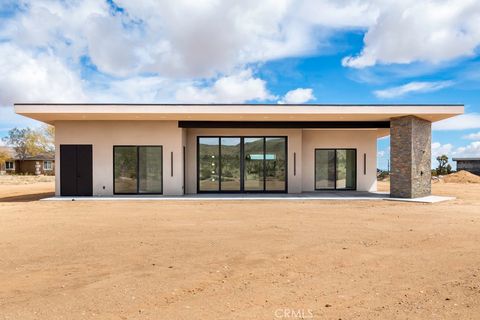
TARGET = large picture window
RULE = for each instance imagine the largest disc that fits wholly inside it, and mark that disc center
(242, 164)
(138, 169)
(335, 169)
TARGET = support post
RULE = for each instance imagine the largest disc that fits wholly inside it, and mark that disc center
(410, 157)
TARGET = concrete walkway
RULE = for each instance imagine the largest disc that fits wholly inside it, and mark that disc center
(324, 195)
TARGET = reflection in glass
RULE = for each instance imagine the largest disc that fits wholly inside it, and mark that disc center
(253, 167)
(346, 169)
(230, 164)
(125, 164)
(208, 156)
(275, 164)
(324, 169)
(150, 169)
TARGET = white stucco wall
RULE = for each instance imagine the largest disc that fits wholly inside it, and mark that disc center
(103, 135)
(365, 141)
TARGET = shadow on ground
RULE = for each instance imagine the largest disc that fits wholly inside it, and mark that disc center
(27, 197)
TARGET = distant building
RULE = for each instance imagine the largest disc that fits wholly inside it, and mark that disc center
(35, 165)
(471, 165)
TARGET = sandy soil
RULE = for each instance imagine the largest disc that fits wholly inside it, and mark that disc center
(239, 260)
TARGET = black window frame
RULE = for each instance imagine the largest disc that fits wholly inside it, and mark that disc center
(137, 170)
(335, 181)
(242, 165)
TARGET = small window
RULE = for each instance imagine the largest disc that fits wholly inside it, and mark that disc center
(47, 165)
(9, 165)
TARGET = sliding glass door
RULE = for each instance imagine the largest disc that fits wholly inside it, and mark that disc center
(230, 149)
(324, 169)
(275, 164)
(137, 169)
(346, 169)
(125, 167)
(254, 169)
(335, 169)
(242, 164)
(149, 169)
(208, 162)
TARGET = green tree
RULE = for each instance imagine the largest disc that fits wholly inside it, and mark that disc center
(442, 164)
(449, 168)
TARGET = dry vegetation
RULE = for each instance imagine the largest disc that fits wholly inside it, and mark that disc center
(241, 260)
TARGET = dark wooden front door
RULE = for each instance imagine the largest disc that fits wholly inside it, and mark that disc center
(76, 170)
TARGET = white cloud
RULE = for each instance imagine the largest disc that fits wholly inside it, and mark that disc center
(472, 136)
(470, 150)
(298, 96)
(381, 153)
(159, 51)
(41, 77)
(180, 38)
(461, 122)
(411, 30)
(412, 87)
(236, 88)
(439, 149)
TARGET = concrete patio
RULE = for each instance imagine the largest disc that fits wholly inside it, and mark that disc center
(325, 195)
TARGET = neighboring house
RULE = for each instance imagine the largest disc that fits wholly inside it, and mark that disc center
(35, 165)
(171, 149)
(471, 165)
(39, 164)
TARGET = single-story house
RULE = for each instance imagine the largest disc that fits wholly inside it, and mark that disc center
(36, 165)
(176, 149)
(471, 165)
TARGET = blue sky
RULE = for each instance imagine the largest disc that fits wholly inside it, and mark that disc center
(250, 51)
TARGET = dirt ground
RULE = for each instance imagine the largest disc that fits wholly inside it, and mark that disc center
(239, 260)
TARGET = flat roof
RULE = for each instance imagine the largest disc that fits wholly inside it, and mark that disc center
(51, 112)
(465, 159)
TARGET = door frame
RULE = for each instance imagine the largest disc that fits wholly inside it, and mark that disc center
(137, 170)
(242, 164)
(335, 167)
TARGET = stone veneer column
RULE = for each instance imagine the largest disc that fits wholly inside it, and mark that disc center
(410, 157)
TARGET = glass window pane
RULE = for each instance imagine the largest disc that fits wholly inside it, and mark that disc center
(208, 155)
(150, 169)
(125, 164)
(346, 171)
(275, 164)
(230, 164)
(324, 169)
(254, 158)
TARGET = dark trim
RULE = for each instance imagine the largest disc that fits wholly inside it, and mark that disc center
(243, 104)
(294, 164)
(364, 164)
(242, 165)
(286, 124)
(184, 171)
(137, 170)
(171, 164)
(335, 166)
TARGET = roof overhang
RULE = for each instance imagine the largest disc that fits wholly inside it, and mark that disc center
(50, 113)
